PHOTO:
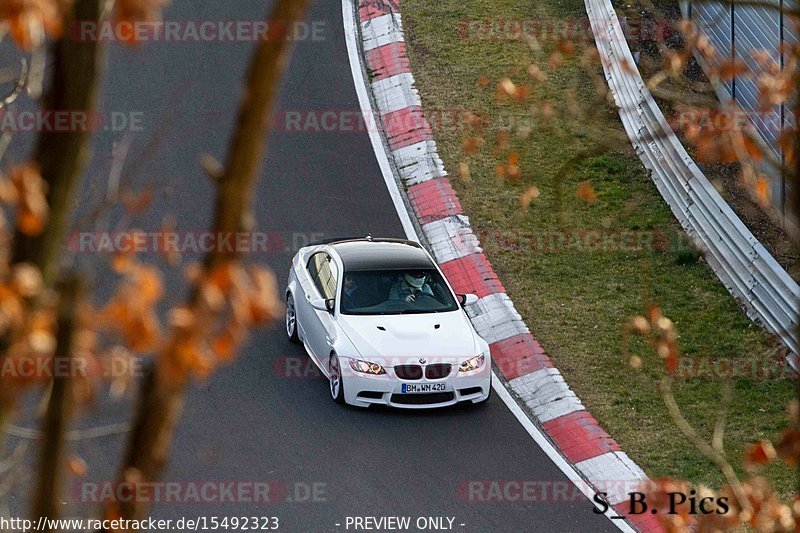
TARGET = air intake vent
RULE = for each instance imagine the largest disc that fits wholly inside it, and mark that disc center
(438, 371)
(408, 372)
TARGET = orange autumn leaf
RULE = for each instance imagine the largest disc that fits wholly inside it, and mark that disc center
(586, 192)
(122, 262)
(556, 60)
(131, 312)
(786, 141)
(138, 11)
(150, 288)
(472, 145)
(566, 47)
(262, 302)
(27, 280)
(731, 69)
(762, 191)
(137, 203)
(759, 453)
(752, 148)
(506, 88)
(463, 171)
(142, 333)
(536, 73)
(788, 447)
(640, 325)
(225, 276)
(32, 208)
(521, 94)
(775, 89)
(627, 68)
(530, 194)
(29, 21)
(653, 313)
(224, 346)
(547, 110)
(673, 63)
(77, 467)
(715, 149)
(483, 81)
(186, 358)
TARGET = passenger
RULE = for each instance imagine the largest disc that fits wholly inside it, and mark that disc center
(353, 295)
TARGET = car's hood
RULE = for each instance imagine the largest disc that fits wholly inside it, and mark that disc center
(436, 336)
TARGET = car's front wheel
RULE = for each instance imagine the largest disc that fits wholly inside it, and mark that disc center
(291, 319)
(335, 378)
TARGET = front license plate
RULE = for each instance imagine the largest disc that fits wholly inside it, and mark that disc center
(413, 388)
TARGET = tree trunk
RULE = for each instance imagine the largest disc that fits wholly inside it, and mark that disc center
(62, 156)
(52, 462)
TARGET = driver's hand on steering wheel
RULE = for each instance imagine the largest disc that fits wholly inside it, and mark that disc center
(411, 297)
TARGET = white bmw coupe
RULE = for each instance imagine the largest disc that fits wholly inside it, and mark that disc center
(381, 322)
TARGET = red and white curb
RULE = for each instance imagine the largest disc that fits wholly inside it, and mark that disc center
(377, 47)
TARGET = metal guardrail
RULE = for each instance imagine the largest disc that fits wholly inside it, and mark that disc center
(760, 285)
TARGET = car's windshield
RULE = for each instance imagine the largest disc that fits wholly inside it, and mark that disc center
(395, 292)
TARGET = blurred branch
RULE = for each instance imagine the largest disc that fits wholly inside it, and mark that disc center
(246, 153)
(713, 455)
(22, 81)
(59, 410)
(161, 400)
(3, 424)
(62, 156)
(717, 439)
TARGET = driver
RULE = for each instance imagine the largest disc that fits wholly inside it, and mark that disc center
(409, 285)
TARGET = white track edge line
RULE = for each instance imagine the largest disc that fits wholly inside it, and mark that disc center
(394, 191)
(554, 455)
(365, 103)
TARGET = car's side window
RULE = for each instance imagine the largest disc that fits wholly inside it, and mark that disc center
(324, 273)
(328, 278)
(313, 271)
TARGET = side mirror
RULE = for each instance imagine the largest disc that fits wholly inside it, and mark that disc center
(318, 304)
(467, 299)
(321, 304)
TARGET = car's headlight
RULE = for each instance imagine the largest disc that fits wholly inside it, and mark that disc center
(472, 364)
(365, 367)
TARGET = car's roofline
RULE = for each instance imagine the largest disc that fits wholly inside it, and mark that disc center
(342, 240)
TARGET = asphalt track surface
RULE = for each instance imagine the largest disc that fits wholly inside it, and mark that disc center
(252, 421)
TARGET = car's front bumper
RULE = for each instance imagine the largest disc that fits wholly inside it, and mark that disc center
(365, 390)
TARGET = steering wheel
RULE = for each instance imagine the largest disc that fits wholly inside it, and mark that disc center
(419, 294)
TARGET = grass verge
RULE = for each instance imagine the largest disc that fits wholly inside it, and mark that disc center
(575, 297)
